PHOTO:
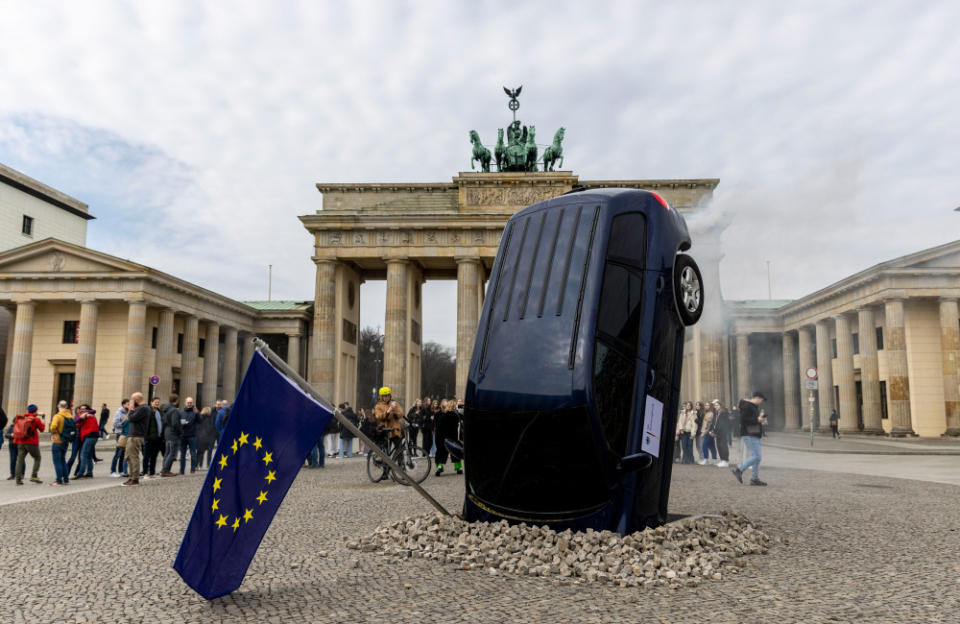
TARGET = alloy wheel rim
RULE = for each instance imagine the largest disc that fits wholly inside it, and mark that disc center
(690, 289)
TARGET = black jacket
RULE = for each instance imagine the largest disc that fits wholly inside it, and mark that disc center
(350, 415)
(749, 415)
(154, 433)
(171, 422)
(189, 419)
(139, 421)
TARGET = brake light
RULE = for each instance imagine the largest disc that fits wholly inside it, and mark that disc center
(661, 200)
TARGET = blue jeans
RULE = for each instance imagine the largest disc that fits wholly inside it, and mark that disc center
(59, 452)
(315, 459)
(117, 464)
(346, 447)
(86, 455)
(686, 447)
(190, 443)
(753, 459)
(74, 451)
(13, 458)
(708, 447)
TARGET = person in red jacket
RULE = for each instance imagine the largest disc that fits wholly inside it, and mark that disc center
(26, 435)
(89, 428)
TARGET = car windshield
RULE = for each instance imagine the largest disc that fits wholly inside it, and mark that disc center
(535, 462)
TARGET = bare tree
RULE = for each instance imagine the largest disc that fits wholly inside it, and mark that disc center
(438, 370)
(369, 365)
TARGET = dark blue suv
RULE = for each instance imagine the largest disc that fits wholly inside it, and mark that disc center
(571, 400)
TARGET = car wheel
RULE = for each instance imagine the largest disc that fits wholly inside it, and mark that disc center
(688, 289)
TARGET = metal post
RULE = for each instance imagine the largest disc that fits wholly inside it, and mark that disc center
(274, 359)
(811, 400)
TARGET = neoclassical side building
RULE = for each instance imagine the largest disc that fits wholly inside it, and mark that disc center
(884, 342)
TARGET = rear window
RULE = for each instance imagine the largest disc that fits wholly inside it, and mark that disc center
(535, 462)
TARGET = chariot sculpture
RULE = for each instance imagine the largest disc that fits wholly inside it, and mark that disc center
(516, 149)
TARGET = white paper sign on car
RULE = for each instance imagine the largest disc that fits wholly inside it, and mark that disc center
(652, 426)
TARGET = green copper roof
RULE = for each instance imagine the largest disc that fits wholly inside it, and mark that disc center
(279, 305)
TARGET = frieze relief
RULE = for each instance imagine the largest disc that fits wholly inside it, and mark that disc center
(418, 238)
(508, 196)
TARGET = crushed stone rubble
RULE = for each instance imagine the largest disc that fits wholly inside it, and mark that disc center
(680, 554)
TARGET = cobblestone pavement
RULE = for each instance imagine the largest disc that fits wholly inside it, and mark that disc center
(860, 548)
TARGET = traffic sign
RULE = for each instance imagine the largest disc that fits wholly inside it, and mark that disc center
(811, 373)
(812, 384)
(154, 380)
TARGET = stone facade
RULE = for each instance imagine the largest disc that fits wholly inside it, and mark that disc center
(885, 342)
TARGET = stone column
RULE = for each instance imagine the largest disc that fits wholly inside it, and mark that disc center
(848, 389)
(468, 282)
(395, 329)
(8, 358)
(211, 357)
(869, 372)
(86, 353)
(898, 376)
(323, 351)
(950, 348)
(807, 358)
(165, 345)
(189, 359)
(20, 361)
(825, 372)
(743, 367)
(133, 350)
(248, 349)
(293, 350)
(711, 367)
(229, 364)
(791, 377)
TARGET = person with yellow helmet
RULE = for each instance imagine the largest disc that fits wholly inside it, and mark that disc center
(389, 415)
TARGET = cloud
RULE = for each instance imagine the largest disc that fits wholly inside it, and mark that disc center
(197, 131)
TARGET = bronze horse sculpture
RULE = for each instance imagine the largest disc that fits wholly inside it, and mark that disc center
(479, 153)
(500, 151)
(554, 153)
(531, 149)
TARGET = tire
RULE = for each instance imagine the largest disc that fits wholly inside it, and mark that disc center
(375, 467)
(687, 289)
(414, 461)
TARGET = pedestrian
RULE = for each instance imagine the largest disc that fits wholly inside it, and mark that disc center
(188, 435)
(26, 435)
(722, 430)
(3, 435)
(415, 420)
(222, 414)
(63, 429)
(117, 465)
(78, 413)
(362, 425)
(11, 449)
(751, 431)
(835, 424)
(331, 435)
(104, 418)
(699, 416)
(153, 441)
(170, 415)
(346, 436)
(389, 415)
(89, 430)
(686, 426)
(435, 413)
(708, 446)
(448, 425)
(427, 426)
(206, 437)
(139, 420)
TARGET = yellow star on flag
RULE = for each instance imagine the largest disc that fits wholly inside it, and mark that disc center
(271, 477)
(267, 458)
(216, 484)
(236, 524)
(247, 515)
(216, 505)
(244, 438)
(223, 461)
(258, 443)
(222, 522)
(234, 446)
(262, 498)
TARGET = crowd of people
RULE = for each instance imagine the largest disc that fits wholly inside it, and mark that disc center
(706, 429)
(142, 432)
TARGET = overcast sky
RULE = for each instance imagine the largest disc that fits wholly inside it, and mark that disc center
(196, 131)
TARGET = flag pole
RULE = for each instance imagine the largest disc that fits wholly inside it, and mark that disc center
(278, 362)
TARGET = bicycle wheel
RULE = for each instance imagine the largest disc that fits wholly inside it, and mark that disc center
(413, 460)
(375, 467)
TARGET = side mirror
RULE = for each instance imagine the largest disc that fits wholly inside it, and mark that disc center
(454, 447)
(634, 463)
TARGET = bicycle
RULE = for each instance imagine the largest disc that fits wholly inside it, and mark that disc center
(410, 457)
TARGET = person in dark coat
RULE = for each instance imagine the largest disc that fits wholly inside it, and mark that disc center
(346, 436)
(751, 430)
(207, 436)
(448, 426)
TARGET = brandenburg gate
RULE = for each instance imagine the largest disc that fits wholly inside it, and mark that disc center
(410, 233)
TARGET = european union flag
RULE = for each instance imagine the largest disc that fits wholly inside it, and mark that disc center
(271, 429)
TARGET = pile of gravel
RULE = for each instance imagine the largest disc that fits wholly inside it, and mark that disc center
(678, 554)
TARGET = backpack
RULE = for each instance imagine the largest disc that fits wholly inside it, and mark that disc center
(69, 432)
(23, 427)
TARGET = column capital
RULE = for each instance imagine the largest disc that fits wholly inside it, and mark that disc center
(293, 334)
(463, 259)
(396, 259)
(948, 299)
(318, 260)
(22, 301)
(135, 300)
(88, 301)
